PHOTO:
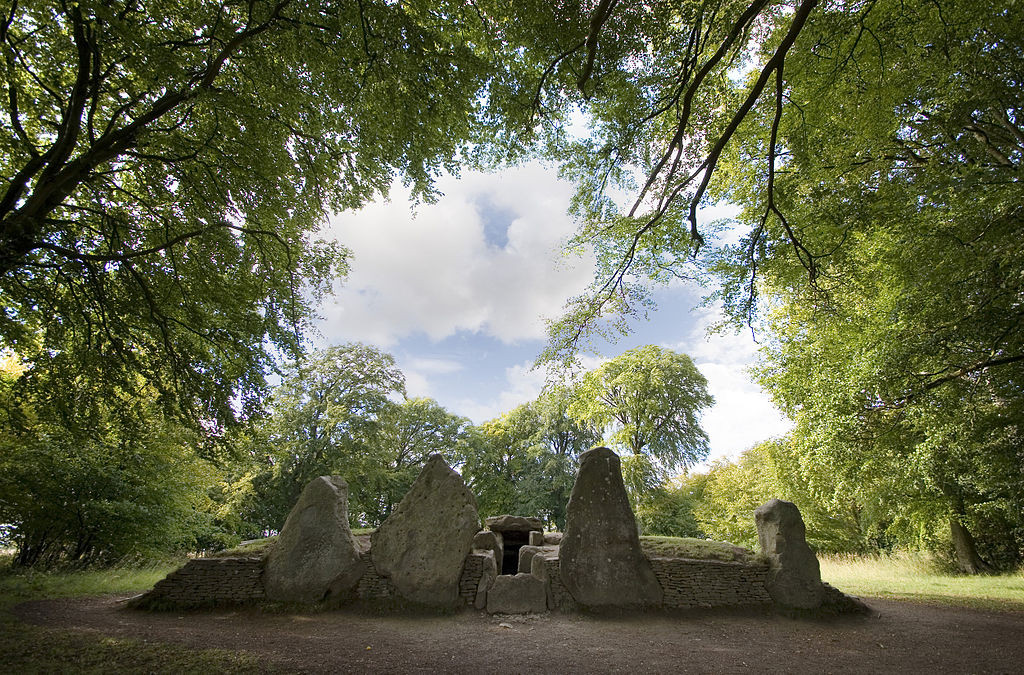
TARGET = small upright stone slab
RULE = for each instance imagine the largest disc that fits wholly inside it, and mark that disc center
(527, 552)
(315, 558)
(485, 540)
(794, 578)
(517, 594)
(552, 538)
(423, 543)
(602, 563)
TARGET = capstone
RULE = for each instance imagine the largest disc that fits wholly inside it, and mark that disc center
(794, 578)
(423, 543)
(315, 558)
(601, 562)
(514, 524)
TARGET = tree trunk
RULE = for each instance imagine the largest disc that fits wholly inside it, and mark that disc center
(967, 557)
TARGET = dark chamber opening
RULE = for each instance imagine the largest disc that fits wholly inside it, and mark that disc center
(513, 542)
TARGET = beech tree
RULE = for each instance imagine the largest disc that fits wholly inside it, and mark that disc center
(166, 165)
(88, 480)
(342, 411)
(875, 149)
(648, 401)
(526, 460)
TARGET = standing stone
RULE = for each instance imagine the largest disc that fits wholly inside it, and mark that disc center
(601, 562)
(315, 557)
(794, 578)
(424, 542)
(536, 538)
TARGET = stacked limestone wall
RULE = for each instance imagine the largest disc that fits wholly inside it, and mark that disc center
(559, 597)
(373, 586)
(711, 583)
(686, 583)
(208, 581)
(472, 572)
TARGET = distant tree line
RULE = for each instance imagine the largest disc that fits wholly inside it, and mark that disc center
(131, 480)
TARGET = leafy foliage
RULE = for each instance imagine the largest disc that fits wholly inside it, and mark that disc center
(900, 177)
(83, 481)
(875, 148)
(525, 462)
(649, 401)
(334, 414)
(167, 163)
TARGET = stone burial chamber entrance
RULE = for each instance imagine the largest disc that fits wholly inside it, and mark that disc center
(513, 532)
(431, 552)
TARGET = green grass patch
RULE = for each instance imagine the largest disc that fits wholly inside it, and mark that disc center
(698, 549)
(919, 578)
(260, 548)
(36, 649)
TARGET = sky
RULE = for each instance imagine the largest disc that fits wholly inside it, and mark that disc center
(458, 291)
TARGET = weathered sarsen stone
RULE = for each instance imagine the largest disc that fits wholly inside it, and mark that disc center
(527, 552)
(602, 564)
(423, 543)
(794, 578)
(485, 540)
(315, 557)
(517, 594)
(509, 523)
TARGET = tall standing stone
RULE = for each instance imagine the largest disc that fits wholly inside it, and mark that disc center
(601, 562)
(424, 542)
(315, 557)
(794, 577)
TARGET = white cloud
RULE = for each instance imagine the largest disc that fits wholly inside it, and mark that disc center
(418, 371)
(742, 415)
(522, 384)
(434, 366)
(435, 272)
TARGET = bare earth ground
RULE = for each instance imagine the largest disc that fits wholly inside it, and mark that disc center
(902, 638)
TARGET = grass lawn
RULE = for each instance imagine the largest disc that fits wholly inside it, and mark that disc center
(917, 578)
(259, 548)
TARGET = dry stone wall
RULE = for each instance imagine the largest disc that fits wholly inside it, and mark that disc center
(559, 597)
(710, 583)
(472, 571)
(208, 581)
(372, 585)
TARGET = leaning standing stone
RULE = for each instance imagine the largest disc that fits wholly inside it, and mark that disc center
(315, 557)
(423, 543)
(602, 564)
(794, 578)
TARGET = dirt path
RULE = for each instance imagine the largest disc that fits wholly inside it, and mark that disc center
(902, 638)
